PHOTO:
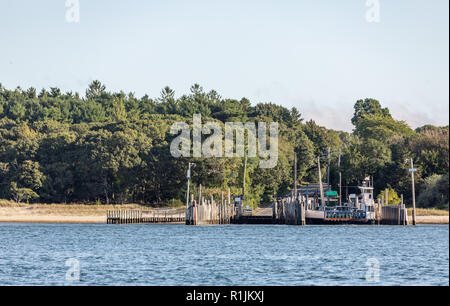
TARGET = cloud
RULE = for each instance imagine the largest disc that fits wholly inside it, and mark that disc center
(337, 116)
(432, 114)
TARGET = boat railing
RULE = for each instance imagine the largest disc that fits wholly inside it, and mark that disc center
(345, 214)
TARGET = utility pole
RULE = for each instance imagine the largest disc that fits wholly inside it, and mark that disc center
(412, 170)
(340, 178)
(243, 185)
(295, 175)
(188, 183)
(346, 193)
(328, 174)
(229, 202)
(320, 183)
(329, 162)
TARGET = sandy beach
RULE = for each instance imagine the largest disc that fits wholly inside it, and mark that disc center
(431, 220)
(62, 213)
(52, 219)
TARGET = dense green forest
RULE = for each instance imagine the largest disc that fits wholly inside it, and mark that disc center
(115, 148)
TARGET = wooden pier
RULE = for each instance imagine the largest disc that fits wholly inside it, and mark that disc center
(286, 211)
(289, 210)
(142, 217)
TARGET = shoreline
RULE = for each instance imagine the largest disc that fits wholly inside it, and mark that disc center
(55, 219)
(93, 214)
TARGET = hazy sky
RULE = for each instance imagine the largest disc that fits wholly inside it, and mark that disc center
(317, 55)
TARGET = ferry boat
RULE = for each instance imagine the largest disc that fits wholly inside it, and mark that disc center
(360, 209)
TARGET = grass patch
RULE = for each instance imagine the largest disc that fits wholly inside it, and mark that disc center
(10, 207)
(428, 212)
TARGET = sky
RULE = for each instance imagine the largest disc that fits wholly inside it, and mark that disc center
(319, 56)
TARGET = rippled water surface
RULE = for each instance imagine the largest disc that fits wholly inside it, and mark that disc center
(36, 254)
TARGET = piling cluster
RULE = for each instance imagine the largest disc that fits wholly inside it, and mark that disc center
(290, 210)
(204, 212)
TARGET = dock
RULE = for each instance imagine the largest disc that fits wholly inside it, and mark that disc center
(289, 210)
(143, 217)
(286, 212)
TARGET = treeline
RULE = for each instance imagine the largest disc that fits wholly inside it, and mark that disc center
(115, 148)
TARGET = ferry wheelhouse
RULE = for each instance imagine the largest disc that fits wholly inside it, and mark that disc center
(360, 209)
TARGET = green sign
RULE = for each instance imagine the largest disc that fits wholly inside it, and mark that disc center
(331, 193)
